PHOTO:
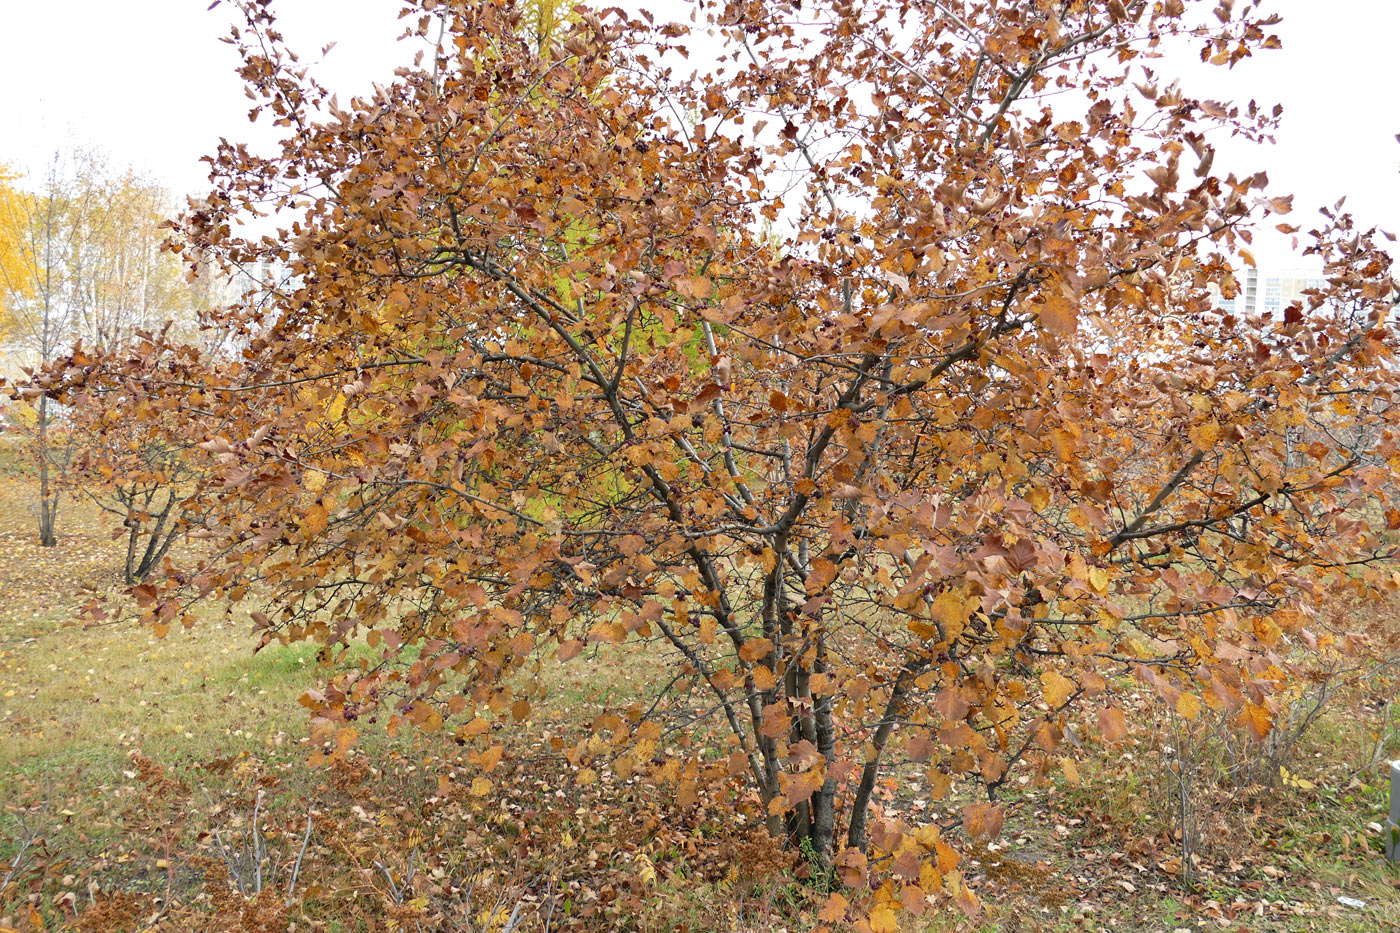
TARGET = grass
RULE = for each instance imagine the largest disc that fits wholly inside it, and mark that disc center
(80, 703)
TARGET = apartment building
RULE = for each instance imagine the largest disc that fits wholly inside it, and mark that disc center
(1270, 290)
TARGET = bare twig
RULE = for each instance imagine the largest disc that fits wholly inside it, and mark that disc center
(296, 868)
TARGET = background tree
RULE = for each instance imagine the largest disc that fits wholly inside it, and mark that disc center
(907, 490)
(10, 256)
(85, 265)
(38, 236)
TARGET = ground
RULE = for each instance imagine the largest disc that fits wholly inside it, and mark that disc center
(134, 770)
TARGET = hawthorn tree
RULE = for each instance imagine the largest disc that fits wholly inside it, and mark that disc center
(872, 385)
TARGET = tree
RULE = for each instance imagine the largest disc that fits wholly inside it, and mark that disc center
(906, 490)
(37, 238)
(10, 257)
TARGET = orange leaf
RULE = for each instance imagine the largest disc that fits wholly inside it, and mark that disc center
(1059, 315)
(982, 821)
(834, 910)
(821, 576)
(1112, 726)
(755, 648)
(1057, 688)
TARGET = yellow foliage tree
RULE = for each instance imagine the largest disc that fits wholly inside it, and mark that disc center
(11, 258)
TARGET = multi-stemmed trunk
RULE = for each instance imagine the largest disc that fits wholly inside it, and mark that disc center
(810, 825)
(142, 559)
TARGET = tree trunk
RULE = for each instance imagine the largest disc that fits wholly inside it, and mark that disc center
(48, 498)
(158, 542)
(824, 801)
(860, 806)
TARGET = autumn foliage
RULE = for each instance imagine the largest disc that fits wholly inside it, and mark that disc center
(874, 384)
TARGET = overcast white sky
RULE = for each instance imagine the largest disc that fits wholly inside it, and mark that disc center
(149, 82)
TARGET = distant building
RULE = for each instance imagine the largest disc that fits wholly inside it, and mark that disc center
(1269, 290)
(14, 358)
